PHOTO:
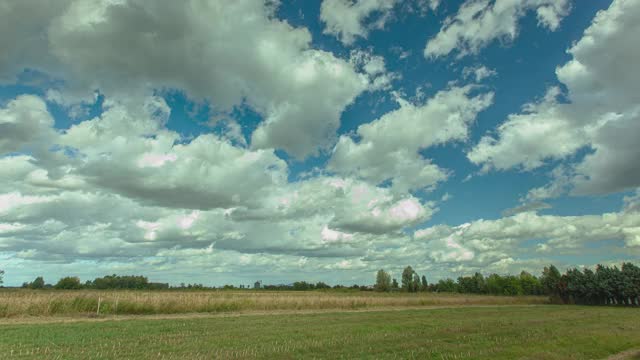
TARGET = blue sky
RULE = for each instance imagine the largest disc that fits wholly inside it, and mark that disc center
(221, 142)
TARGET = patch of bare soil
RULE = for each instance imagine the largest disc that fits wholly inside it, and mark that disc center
(626, 355)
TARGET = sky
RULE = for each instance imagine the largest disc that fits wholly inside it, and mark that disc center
(224, 142)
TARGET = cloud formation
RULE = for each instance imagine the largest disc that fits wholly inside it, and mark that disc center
(101, 169)
(388, 149)
(480, 22)
(600, 113)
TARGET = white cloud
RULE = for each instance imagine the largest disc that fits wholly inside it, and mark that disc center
(482, 242)
(230, 53)
(345, 204)
(479, 72)
(374, 66)
(602, 112)
(543, 131)
(131, 188)
(121, 192)
(25, 126)
(388, 146)
(480, 22)
(349, 19)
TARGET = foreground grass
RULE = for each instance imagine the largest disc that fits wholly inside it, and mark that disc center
(515, 332)
(20, 302)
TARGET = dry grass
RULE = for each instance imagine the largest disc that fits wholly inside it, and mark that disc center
(20, 303)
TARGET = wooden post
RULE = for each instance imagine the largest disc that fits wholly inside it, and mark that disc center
(99, 301)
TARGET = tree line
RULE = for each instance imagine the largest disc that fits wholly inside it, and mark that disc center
(131, 282)
(607, 285)
(604, 286)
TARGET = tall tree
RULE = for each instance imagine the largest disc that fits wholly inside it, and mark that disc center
(407, 279)
(550, 280)
(1, 276)
(424, 286)
(383, 281)
(416, 282)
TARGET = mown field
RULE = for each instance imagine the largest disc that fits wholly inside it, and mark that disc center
(21, 303)
(504, 332)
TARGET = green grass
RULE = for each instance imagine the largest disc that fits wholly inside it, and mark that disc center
(518, 332)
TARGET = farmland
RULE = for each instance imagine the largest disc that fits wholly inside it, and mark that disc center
(463, 332)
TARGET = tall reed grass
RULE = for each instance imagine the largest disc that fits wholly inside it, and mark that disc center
(20, 302)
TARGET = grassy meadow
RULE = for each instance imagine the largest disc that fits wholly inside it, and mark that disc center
(507, 332)
(36, 303)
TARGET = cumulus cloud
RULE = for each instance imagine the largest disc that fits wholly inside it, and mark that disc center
(348, 205)
(118, 188)
(25, 126)
(601, 113)
(347, 19)
(481, 243)
(480, 22)
(375, 68)
(132, 188)
(231, 53)
(388, 147)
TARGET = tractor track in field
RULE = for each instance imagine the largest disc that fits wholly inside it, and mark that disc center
(185, 316)
(626, 355)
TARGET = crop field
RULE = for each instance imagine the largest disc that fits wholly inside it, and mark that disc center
(21, 303)
(487, 332)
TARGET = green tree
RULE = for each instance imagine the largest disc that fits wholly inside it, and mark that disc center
(68, 283)
(394, 284)
(554, 284)
(302, 286)
(383, 281)
(38, 283)
(447, 285)
(1, 276)
(407, 279)
(416, 282)
(511, 285)
(424, 286)
(530, 284)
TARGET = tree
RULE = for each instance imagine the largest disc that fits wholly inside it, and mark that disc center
(424, 286)
(383, 281)
(394, 284)
(447, 285)
(407, 279)
(530, 284)
(553, 283)
(1, 276)
(302, 286)
(416, 282)
(68, 283)
(38, 283)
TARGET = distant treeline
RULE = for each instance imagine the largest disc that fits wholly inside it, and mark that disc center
(131, 282)
(604, 286)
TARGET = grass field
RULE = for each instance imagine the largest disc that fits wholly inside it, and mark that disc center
(20, 302)
(507, 332)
